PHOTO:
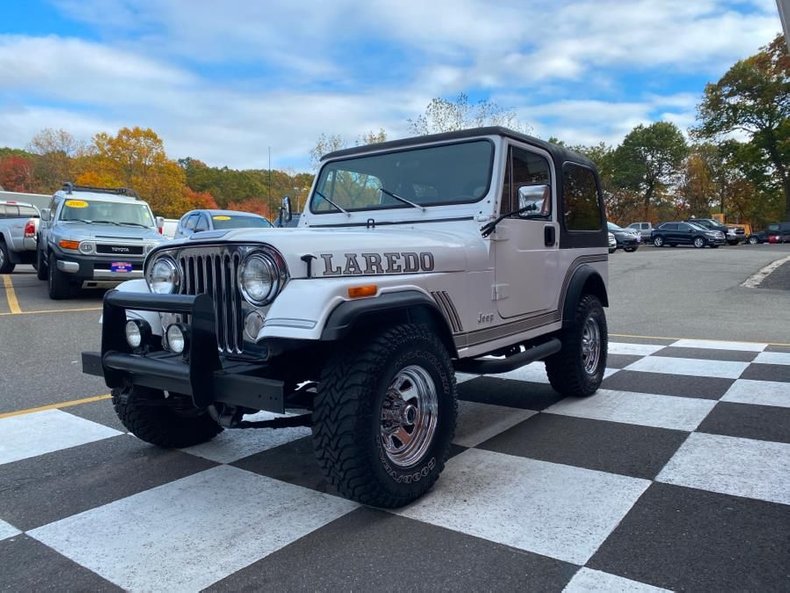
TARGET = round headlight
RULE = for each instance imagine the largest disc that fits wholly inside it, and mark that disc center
(258, 279)
(134, 336)
(176, 338)
(163, 276)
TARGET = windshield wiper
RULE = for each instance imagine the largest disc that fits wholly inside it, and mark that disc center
(401, 199)
(145, 226)
(102, 222)
(323, 197)
(489, 228)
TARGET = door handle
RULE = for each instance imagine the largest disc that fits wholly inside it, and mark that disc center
(548, 236)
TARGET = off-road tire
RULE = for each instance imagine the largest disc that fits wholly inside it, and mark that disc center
(577, 369)
(41, 265)
(162, 425)
(6, 267)
(354, 436)
(57, 282)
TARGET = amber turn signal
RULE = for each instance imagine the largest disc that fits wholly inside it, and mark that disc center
(69, 244)
(356, 292)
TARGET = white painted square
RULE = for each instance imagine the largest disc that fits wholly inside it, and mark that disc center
(188, 534)
(774, 358)
(721, 345)
(689, 366)
(479, 422)
(588, 580)
(534, 372)
(634, 349)
(464, 377)
(546, 508)
(645, 409)
(7, 530)
(730, 465)
(763, 393)
(232, 445)
(29, 435)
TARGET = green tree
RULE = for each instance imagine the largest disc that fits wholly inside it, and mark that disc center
(55, 151)
(753, 97)
(648, 161)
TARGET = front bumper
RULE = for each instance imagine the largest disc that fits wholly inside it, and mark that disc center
(202, 374)
(100, 271)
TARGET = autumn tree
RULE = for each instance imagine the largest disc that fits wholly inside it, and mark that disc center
(648, 162)
(444, 115)
(331, 142)
(753, 98)
(136, 158)
(16, 174)
(55, 152)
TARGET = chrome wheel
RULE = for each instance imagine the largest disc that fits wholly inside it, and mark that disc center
(408, 416)
(591, 346)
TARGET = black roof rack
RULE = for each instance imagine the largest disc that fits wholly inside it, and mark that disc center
(70, 187)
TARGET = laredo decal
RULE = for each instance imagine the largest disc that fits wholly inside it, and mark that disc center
(365, 264)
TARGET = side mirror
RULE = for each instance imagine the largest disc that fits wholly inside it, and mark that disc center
(285, 212)
(534, 200)
(45, 214)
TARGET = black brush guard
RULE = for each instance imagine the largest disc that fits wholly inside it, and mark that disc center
(202, 375)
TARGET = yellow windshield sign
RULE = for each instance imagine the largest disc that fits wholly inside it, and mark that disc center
(221, 217)
(76, 204)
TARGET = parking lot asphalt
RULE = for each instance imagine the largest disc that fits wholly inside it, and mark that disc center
(675, 476)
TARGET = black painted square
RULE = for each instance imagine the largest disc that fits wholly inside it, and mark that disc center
(749, 421)
(664, 384)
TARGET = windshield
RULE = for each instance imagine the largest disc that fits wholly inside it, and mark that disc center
(698, 226)
(613, 227)
(433, 176)
(121, 213)
(227, 221)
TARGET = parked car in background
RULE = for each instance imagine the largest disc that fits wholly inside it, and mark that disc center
(732, 235)
(644, 229)
(627, 239)
(612, 243)
(757, 237)
(778, 232)
(686, 233)
(196, 221)
(15, 246)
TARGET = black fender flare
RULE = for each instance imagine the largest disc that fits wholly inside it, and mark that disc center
(585, 280)
(342, 319)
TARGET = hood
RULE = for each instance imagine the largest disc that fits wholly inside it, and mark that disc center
(108, 232)
(334, 252)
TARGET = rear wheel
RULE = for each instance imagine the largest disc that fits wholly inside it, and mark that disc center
(658, 241)
(753, 240)
(41, 265)
(6, 267)
(143, 412)
(577, 369)
(385, 415)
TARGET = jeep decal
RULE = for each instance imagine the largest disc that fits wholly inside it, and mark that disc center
(359, 264)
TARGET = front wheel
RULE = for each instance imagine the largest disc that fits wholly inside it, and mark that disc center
(577, 369)
(175, 425)
(57, 281)
(699, 242)
(6, 267)
(658, 241)
(753, 240)
(385, 415)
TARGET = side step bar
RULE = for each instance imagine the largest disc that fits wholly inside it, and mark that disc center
(492, 366)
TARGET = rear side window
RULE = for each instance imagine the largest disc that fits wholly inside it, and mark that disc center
(28, 211)
(582, 205)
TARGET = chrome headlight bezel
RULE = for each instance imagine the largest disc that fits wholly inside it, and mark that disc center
(167, 269)
(272, 277)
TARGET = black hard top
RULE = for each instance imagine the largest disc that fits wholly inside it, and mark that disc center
(559, 154)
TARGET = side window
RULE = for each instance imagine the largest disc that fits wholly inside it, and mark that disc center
(2, 210)
(28, 211)
(525, 170)
(11, 211)
(684, 227)
(670, 226)
(201, 224)
(191, 222)
(582, 205)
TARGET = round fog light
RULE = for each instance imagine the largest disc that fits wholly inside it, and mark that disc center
(252, 325)
(176, 338)
(134, 336)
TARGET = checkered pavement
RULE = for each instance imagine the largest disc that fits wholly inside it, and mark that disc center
(674, 476)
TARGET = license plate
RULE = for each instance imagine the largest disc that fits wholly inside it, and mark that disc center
(119, 266)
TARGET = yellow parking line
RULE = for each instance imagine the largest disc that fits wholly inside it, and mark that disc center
(68, 404)
(75, 310)
(13, 304)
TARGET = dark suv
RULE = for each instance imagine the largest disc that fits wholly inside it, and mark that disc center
(732, 234)
(779, 232)
(685, 233)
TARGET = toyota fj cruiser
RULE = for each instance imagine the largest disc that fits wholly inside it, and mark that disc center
(93, 237)
(478, 251)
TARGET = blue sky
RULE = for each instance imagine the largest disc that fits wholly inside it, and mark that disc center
(224, 81)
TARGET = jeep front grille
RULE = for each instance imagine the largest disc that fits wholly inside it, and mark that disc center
(216, 273)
